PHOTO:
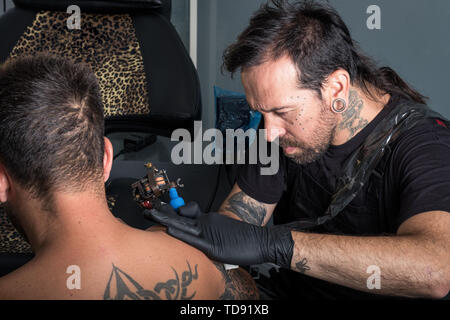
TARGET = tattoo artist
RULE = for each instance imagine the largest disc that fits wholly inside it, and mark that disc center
(364, 175)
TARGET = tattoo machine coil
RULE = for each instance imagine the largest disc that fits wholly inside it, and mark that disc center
(148, 190)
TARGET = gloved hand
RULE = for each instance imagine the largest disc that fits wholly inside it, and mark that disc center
(225, 239)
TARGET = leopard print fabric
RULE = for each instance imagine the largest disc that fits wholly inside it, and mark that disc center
(11, 241)
(107, 43)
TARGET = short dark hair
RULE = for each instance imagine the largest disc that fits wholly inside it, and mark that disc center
(51, 124)
(316, 38)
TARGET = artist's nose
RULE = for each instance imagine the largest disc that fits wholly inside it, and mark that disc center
(273, 127)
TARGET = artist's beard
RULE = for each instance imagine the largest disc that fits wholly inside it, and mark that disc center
(316, 146)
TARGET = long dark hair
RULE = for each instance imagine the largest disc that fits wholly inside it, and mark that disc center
(316, 38)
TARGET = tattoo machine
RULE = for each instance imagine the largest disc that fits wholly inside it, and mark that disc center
(148, 190)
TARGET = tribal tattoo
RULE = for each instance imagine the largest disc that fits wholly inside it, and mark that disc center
(122, 286)
(246, 208)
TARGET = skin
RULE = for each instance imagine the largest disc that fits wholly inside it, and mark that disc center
(82, 231)
(414, 261)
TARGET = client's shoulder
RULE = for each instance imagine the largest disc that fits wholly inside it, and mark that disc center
(142, 265)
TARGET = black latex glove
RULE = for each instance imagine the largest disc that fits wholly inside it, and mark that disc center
(225, 239)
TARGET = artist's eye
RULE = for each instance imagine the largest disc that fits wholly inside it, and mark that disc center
(281, 113)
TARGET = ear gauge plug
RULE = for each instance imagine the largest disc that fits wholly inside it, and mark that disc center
(342, 108)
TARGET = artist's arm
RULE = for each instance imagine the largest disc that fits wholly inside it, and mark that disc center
(413, 263)
(241, 206)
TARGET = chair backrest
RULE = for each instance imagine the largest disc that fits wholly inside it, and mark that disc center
(146, 76)
(163, 7)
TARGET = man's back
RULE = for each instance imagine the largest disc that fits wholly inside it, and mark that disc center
(54, 163)
(135, 265)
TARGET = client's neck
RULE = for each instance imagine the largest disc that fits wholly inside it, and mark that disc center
(74, 219)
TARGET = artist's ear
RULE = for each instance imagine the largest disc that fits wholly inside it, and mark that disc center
(4, 184)
(108, 158)
(337, 86)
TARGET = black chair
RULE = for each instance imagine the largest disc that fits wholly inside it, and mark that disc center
(147, 79)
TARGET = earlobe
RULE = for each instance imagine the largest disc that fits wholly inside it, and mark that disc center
(338, 85)
(4, 185)
(107, 159)
(339, 105)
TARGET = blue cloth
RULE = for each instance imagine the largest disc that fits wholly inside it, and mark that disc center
(233, 111)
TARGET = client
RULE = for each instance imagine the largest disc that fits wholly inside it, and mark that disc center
(54, 161)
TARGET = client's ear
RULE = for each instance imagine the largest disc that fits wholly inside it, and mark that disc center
(4, 184)
(107, 159)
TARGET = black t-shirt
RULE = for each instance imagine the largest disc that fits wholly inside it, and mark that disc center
(416, 180)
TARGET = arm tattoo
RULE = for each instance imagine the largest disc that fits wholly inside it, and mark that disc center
(122, 286)
(245, 208)
(238, 284)
(351, 118)
(302, 266)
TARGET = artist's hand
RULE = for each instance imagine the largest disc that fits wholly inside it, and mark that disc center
(225, 239)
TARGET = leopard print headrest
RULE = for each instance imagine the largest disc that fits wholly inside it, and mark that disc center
(107, 43)
(11, 241)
